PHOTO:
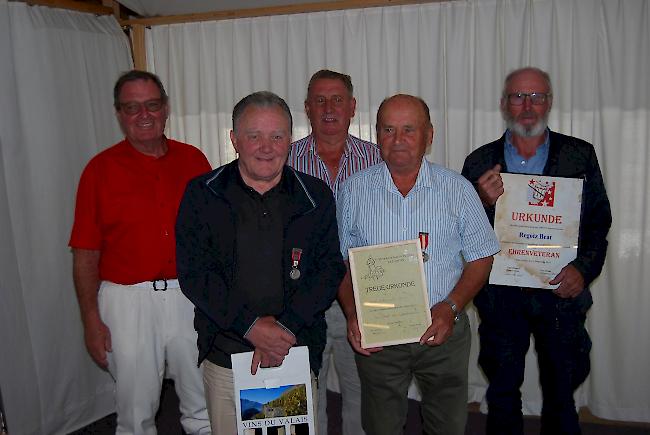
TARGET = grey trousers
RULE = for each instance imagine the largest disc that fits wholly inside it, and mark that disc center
(441, 375)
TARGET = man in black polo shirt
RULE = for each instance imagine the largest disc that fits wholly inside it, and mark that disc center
(257, 253)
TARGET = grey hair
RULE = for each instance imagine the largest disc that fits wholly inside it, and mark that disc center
(539, 71)
(260, 99)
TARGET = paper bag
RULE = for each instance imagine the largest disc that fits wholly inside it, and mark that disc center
(277, 400)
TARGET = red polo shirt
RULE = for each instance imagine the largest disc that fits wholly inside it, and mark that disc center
(126, 208)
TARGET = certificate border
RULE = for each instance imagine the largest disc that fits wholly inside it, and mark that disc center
(357, 301)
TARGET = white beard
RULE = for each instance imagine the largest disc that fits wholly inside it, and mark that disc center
(535, 130)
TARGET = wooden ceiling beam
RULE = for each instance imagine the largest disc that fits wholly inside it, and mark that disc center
(93, 8)
(272, 10)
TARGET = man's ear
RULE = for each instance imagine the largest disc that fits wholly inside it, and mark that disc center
(233, 139)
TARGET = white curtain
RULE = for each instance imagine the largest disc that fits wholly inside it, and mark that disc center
(455, 55)
(57, 69)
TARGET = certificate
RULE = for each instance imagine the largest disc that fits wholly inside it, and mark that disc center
(390, 293)
(537, 220)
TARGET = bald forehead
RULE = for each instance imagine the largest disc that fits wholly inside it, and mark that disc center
(527, 78)
(398, 102)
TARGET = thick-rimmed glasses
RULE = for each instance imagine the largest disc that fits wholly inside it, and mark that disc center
(133, 107)
(536, 98)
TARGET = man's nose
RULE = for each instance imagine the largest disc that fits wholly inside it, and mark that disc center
(266, 143)
(398, 136)
(528, 102)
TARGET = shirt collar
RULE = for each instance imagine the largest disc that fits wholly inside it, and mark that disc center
(384, 180)
(309, 146)
(533, 165)
(542, 148)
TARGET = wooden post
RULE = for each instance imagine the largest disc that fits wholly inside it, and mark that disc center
(138, 47)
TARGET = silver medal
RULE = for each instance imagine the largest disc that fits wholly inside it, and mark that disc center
(425, 256)
(294, 274)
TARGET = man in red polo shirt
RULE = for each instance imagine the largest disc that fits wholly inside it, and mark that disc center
(137, 323)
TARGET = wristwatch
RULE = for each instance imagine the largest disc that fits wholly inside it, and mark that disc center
(454, 308)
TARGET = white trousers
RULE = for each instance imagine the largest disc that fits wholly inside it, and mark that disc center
(220, 395)
(152, 336)
(339, 356)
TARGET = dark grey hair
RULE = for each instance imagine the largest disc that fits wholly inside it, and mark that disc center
(260, 99)
(332, 75)
(131, 76)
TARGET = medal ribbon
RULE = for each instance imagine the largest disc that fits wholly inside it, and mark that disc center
(295, 257)
(424, 240)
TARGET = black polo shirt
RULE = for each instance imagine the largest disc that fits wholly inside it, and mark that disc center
(259, 234)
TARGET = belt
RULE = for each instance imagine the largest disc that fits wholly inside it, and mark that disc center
(159, 284)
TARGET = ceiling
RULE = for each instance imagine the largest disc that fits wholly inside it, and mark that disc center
(154, 8)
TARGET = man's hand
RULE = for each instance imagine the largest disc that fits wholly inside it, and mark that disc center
(442, 325)
(490, 186)
(98, 341)
(354, 337)
(97, 336)
(571, 282)
(271, 341)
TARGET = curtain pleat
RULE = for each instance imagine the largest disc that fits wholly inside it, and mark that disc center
(56, 77)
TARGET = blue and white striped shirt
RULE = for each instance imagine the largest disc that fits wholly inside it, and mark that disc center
(357, 155)
(371, 211)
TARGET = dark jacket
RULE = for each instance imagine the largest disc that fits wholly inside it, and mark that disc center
(567, 157)
(205, 253)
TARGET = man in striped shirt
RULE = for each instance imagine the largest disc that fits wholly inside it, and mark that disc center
(399, 200)
(332, 154)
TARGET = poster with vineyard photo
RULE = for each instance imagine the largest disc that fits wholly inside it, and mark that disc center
(274, 401)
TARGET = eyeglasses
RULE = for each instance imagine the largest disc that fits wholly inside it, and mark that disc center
(536, 98)
(133, 107)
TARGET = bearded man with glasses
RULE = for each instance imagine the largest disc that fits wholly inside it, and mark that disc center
(556, 318)
(137, 323)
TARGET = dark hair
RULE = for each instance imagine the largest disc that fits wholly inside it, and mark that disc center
(260, 99)
(131, 76)
(425, 107)
(333, 75)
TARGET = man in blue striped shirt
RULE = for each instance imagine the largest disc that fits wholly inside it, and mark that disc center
(398, 200)
(332, 154)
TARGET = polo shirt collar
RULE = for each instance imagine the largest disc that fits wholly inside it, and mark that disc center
(228, 177)
(130, 149)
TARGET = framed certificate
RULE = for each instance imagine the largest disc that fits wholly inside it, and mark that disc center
(390, 293)
(537, 221)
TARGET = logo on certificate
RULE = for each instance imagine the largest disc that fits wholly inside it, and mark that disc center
(541, 193)
(374, 271)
